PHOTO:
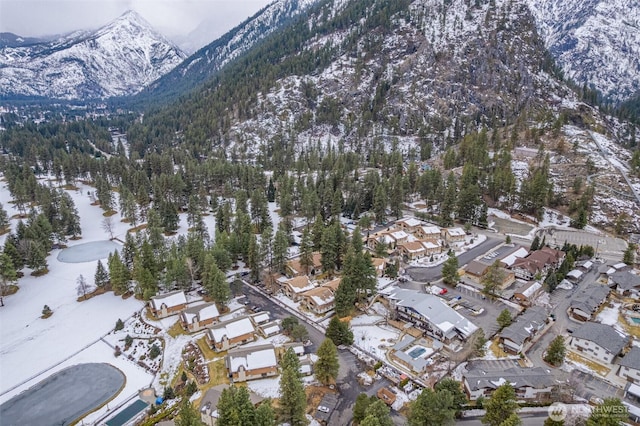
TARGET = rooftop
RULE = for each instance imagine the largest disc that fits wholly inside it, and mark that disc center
(589, 298)
(625, 280)
(232, 328)
(202, 312)
(252, 357)
(481, 376)
(602, 335)
(435, 310)
(631, 359)
(171, 299)
(525, 325)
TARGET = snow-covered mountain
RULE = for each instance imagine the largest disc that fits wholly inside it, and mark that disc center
(115, 60)
(596, 42)
(211, 58)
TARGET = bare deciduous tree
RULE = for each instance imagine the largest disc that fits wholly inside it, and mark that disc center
(108, 226)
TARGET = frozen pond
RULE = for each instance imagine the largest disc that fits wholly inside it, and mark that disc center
(88, 252)
(64, 397)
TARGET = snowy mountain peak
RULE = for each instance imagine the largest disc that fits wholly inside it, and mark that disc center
(596, 42)
(118, 59)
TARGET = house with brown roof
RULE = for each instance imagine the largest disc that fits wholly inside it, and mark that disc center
(528, 292)
(387, 396)
(412, 250)
(168, 304)
(294, 287)
(430, 247)
(231, 333)
(294, 268)
(198, 317)
(319, 300)
(475, 270)
(250, 363)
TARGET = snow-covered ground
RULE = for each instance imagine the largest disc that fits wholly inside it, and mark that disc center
(374, 339)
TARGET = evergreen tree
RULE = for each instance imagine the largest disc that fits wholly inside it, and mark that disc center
(535, 244)
(556, 352)
(493, 279)
(8, 274)
(4, 218)
(293, 400)
(629, 256)
(118, 274)
(360, 408)
(215, 282)
(455, 388)
(611, 412)
(450, 270)
(500, 406)
(306, 251)
(265, 416)
(253, 259)
(280, 249)
(433, 407)
(339, 332)
(327, 365)
(188, 415)
(378, 414)
(504, 319)
(235, 407)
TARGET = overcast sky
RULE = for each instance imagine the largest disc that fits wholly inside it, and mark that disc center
(175, 19)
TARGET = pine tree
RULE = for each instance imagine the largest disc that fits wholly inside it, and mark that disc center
(500, 406)
(215, 282)
(306, 251)
(118, 274)
(4, 218)
(327, 365)
(8, 274)
(450, 270)
(280, 250)
(535, 244)
(493, 279)
(339, 332)
(265, 416)
(433, 407)
(188, 415)
(556, 352)
(629, 256)
(504, 318)
(293, 400)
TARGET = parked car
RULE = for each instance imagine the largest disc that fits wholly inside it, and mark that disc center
(443, 291)
(323, 409)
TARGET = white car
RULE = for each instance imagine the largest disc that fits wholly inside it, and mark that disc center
(323, 409)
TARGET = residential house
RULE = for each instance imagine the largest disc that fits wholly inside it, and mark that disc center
(412, 250)
(630, 365)
(380, 238)
(429, 233)
(379, 265)
(198, 317)
(483, 377)
(260, 318)
(231, 333)
(250, 363)
(269, 329)
(168, 304)
(209, 403)
(319, 300)
(600, 342)
(538, 262)
(409, 224)
(429, 313)
(294, 287)
(431, 247)
(475, 270)
(453, 235)
(412, 353)
(528, 292)
(523, 329)
(625, 283)
(399, 237)
(575, 276)
(293, 268)
(587, 301)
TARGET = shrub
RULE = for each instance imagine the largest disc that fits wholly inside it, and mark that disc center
(119, 325)
(154, 352)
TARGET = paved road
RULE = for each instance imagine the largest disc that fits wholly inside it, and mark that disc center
(424, 274)
(533, 419)
(350, 366)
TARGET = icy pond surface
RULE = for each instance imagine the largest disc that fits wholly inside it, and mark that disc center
(88, 252)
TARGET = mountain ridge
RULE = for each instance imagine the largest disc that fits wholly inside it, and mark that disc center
(117, 59)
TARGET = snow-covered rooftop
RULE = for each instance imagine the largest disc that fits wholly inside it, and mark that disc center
(232, 329)
(171, 299)
(252, 358)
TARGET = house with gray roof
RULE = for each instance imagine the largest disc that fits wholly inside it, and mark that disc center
(599, 342)
(626, 283)
(430, 314)
(630, 365)
(413, 353)
(587, 301)
(481, 378)
(527, 325)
